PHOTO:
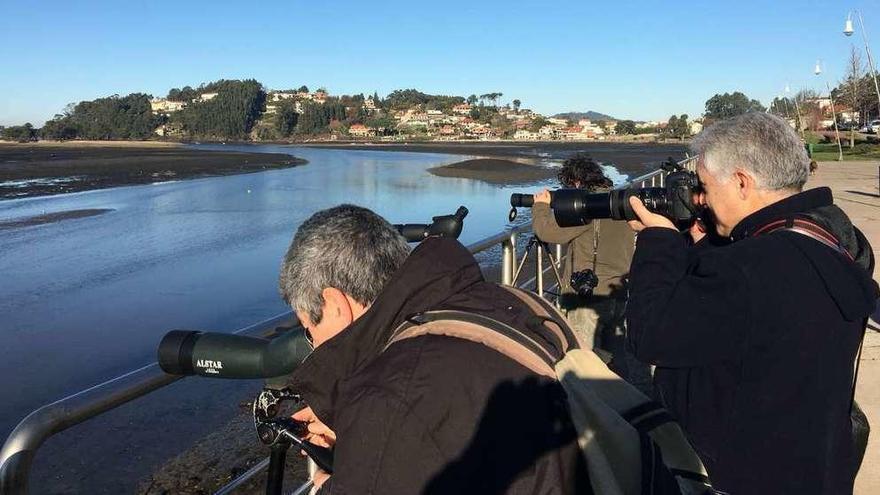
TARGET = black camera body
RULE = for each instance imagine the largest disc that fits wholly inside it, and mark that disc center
(575, 207)
(584, 281)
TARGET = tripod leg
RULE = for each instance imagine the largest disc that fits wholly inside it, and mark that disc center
(554, 263)
(275, 477)
(521, 263)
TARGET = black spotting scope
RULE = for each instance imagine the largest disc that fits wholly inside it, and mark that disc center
(443, 226)
(224, 355)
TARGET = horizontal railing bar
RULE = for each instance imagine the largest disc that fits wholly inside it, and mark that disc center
(243, 478)
(493, 240)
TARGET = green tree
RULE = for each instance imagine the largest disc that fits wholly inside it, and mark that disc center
(784, 107)
(383, 125)
(21, 133)
(114, 117)
(516, 105)
(185, 93)
(626, 127)
(472, 100)
(677, 127)
(229, 115)
(537, 124)
(61, 127)
(727, 105)
(303, 89)
(317, 118)
(854, 93)
(286, 118)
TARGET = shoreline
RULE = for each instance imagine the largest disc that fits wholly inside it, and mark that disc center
(29, 170)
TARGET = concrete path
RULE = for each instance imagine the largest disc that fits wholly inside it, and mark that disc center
(855, 186)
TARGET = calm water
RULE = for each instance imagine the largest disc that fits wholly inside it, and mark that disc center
(84, 300)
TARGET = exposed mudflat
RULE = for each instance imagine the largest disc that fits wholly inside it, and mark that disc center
(43, 169)
(59, 216)
(495, 171)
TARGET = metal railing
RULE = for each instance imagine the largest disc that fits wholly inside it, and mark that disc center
(20, 448)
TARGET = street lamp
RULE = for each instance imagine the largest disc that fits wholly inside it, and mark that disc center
(818, 71)
(848, 31)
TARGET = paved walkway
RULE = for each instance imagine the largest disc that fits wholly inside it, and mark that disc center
(855, 186)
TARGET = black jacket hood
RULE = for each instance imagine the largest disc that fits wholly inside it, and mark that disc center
(849, 283)
(437, 269)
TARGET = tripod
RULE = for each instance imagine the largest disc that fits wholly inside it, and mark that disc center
(541, 250)
(280, 433)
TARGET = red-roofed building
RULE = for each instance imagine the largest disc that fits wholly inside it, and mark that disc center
(360, 130)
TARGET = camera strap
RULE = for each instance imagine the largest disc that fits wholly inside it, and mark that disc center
(596, 224)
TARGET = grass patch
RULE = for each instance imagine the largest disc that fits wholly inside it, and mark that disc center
(827, 152)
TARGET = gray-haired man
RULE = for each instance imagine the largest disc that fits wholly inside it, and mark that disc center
(429, 414)
(755, 342)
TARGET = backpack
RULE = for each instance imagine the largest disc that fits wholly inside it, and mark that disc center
(631, 444)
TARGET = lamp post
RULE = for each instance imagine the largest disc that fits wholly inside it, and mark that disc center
(848, 31)
(818, 71)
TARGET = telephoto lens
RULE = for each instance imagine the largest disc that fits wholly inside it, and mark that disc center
(576, 207)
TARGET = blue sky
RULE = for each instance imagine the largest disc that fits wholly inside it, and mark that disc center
(641, 60)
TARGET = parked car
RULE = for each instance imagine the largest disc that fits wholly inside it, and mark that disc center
(872, 128)
(848, 126)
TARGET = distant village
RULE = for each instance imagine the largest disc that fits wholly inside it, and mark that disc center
(457, 122)
(245, 110)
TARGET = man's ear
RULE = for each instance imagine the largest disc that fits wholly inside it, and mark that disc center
(745, 183)
(336, 306)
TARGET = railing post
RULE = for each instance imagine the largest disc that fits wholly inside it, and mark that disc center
(508, 259)
(539, 269)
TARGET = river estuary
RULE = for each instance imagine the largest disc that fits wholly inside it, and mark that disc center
(85, 299)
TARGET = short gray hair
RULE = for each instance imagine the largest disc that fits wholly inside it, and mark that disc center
(346, 247)
(759, 143)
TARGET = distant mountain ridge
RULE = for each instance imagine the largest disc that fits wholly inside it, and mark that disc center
(589, 115)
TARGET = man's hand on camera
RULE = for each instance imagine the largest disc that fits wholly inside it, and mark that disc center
(318, 433)
(543, 197)
(697, 231)
(646, 218)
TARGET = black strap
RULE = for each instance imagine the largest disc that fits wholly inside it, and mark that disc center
(640, 410)
(648, 424)
(852, 397)
(690, 475)
(553, 315)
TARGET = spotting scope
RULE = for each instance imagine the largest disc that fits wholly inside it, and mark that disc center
(443, 225)
(223, 355)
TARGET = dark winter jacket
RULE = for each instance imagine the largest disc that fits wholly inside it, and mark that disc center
(755, 344)
(436, 414)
